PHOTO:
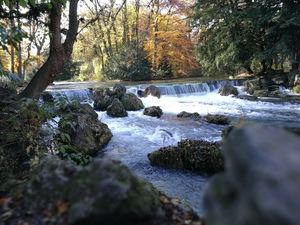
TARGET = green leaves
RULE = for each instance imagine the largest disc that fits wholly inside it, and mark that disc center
(129, 63)
(237, 34)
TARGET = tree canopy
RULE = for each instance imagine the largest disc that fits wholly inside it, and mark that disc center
(239, 34)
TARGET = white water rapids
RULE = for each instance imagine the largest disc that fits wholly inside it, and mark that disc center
(137, 135)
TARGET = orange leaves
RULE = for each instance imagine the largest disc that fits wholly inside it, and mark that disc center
(171, 39)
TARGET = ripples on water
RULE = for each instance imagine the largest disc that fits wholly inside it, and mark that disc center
(137, 135)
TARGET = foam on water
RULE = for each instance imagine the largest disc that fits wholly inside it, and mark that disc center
(137, 135)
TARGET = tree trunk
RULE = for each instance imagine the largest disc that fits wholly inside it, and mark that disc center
(12, 59)
(137, 20)
(59, 53)
(125, 24)
(12, 48)
(155, 28)
(20, 63)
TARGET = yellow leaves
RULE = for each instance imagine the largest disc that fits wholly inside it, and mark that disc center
(4, 59)
(172, 40)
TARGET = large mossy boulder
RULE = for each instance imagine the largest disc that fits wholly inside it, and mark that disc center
(76, 107)
(131, 102)
(102, 97)
(195, 155)
(104, 192)
(261, 183)
(116, 109)
(153, 91)
(228, 89)
(153, 111)
(86, 133)
(217, 119)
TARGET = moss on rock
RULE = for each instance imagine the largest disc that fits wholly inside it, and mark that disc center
(195, 155)
(217, 119)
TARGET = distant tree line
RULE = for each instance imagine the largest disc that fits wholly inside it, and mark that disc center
(253, 35)
(136, 40)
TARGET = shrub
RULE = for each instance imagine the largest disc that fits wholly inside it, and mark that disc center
(129, 64)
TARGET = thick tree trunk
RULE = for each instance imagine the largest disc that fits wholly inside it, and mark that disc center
(45, 75)
(59, 53)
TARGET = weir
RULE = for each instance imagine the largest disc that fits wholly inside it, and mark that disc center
(85, 94)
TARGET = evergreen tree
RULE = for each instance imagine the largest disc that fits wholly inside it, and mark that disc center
(234, 34)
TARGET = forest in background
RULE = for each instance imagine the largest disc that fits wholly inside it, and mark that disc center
(125, 40)
(155, 39)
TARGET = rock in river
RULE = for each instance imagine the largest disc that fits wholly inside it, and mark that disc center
(116, 109)
(185, 114)
(119, 90)
(131, 102)
(195, 155)
(261, 183)
(152, 90)
(154, 111)
(217, 119)
(228, 89)
(87, 134)
(102, 98)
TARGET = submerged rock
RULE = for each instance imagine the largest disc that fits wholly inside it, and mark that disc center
(131, 102)
(116, 109)
(261, 183)
(152, 90)
(228, 89)
(195, 155)
(247, 97)
(105, 192)
(217, 119)
(268, 93)
(185, 114)
(154, 111)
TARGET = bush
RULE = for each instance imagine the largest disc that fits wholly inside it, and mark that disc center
(129, 64)
(164, 70)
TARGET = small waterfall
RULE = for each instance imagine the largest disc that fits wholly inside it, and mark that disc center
(82, 95)
(206, 87)
(85, 95)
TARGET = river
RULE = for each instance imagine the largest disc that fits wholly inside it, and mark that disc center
(137, 135)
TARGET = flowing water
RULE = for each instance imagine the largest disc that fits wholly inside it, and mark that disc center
(137, 135)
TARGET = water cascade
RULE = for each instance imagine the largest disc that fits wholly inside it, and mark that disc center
(137, 135)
